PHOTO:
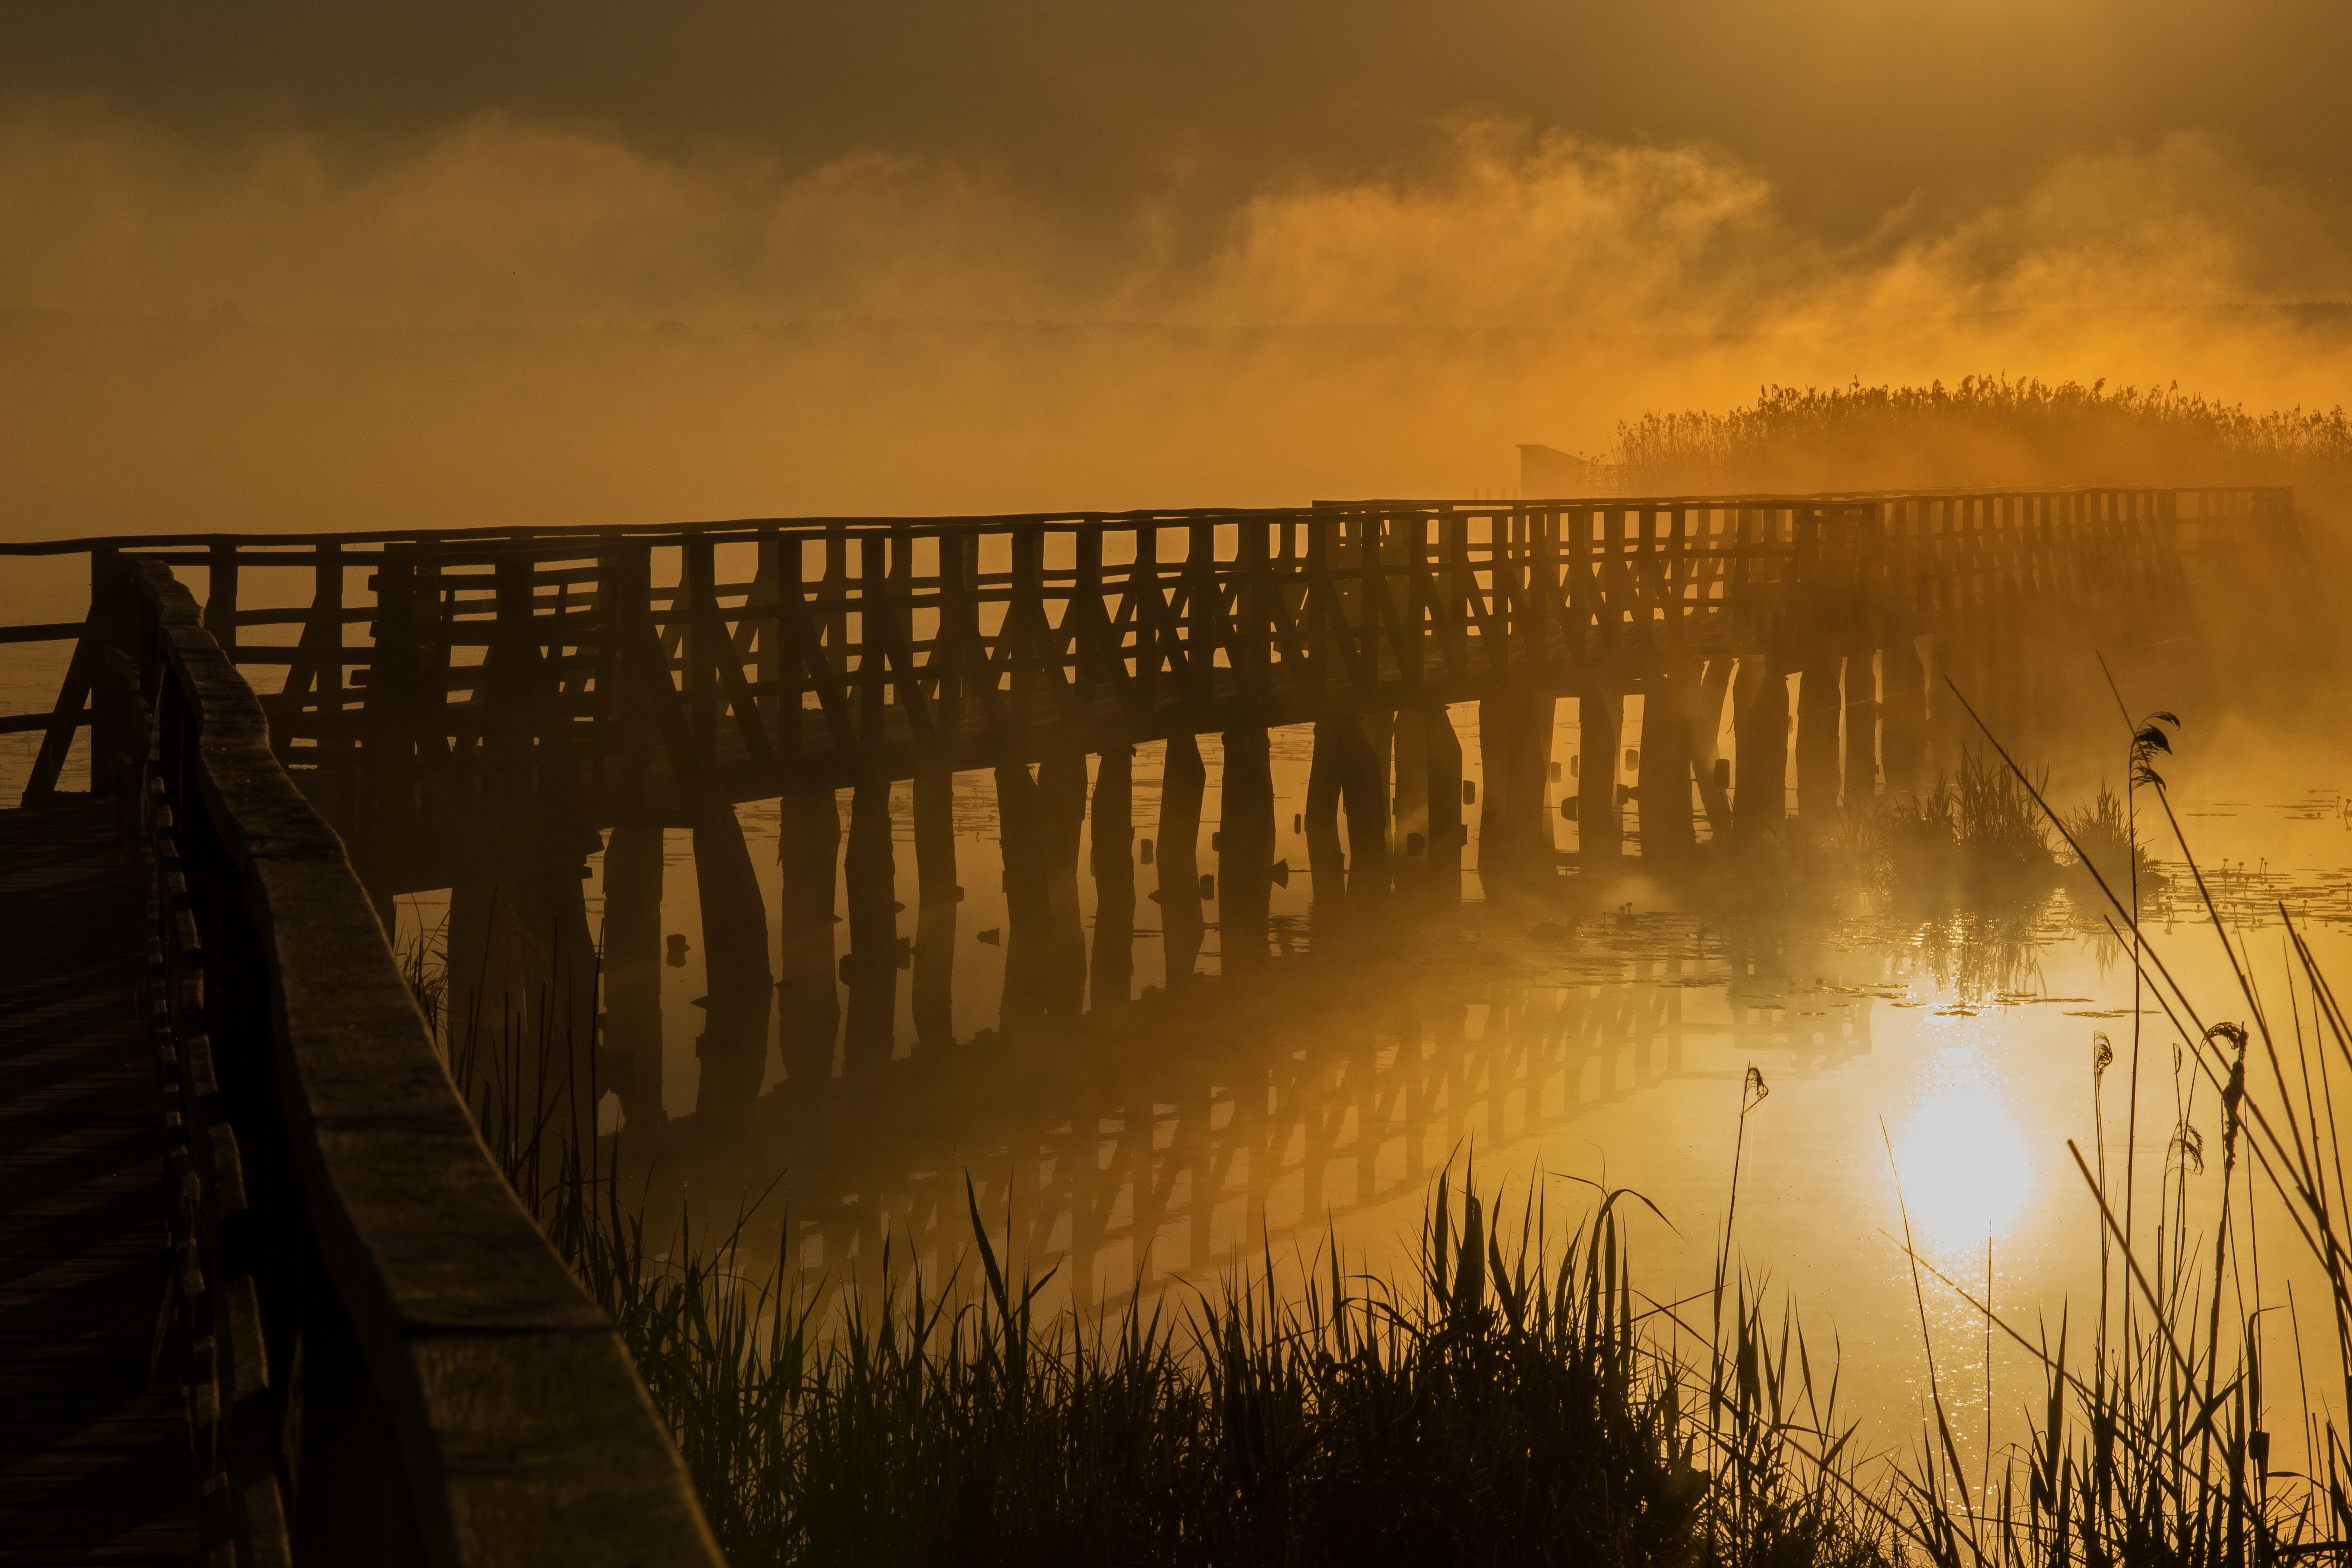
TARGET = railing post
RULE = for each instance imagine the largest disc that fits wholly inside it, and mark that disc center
(220, 597)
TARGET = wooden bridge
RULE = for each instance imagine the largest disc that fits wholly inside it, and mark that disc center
(378, 1346)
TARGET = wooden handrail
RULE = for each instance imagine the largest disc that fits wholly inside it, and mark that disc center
(422, 1379)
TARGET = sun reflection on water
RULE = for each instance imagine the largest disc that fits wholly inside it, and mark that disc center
(1965, 1173)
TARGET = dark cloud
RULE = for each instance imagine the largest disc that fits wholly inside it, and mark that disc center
(1850, 107)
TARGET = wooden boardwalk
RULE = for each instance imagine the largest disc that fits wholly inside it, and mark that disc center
(95, 1465)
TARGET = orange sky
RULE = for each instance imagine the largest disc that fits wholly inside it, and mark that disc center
(267, 266)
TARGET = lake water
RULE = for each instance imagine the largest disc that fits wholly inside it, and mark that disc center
(1577, 1040)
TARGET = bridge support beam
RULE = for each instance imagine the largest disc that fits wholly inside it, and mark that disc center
(1325, 858)
(1600, 726)
(1113, 977)
(1442, 751)
(1903, 715)
(1706, 730)
(633, 933)
(870, 868)
(1364, 788)
(1820, 700)
(1061, 816)
(1409, 836)
(734, 1042)
(1028, 909)
(1663, 800)
(935, 906)
(1859, 778)
(523, 968)
(1948, 727)
(1245, 859)
(1515, 843)
(1759, 731)
(808, 852)
(1183, 782)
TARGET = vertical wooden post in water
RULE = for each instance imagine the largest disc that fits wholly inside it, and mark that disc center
(734, 1044)
(1760, 733)
(1113, 978)
(1325, 859)
(808, 853)
(1903, 714)
(1859, 778)
(1664, 803)
(633, 933)
(871, 870)
(1245, 859)
(1600, 724)
(935, 908)
(870, 866)
(1442, 751)
(1062, 814)
(1027, 908)
(1706, 730)
(1409, 843)
(1820, 698)
(1364, 792)
(1183, 782)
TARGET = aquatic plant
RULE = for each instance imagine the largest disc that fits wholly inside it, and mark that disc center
(1978, 833)
(2102, 837)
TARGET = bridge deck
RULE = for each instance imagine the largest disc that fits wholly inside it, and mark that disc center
(95, 1465)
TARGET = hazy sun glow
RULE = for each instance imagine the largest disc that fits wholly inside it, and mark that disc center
(1963, 1166)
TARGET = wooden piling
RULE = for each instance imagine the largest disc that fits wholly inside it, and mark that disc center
(1820, 700)
(1061, 817)
(631, 964)
(1028, 909)
(1902, 715)
(1706, 730)
(1409, 842)
(1599, 727)
(935, 907)
(1442, 751)
(1246, 856)
(1327, 860)
(1183, 782)
(808, 853)
(1858, 782)
(523, 968)
(738, 988)
(1364, 794)
(870, 870)
(1663, 800)
(1760, 736)
(1112, 977)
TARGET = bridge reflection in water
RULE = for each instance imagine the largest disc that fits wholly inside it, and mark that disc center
(1227, 1117)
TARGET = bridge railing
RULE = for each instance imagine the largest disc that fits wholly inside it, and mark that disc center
(388, 1362)
(815, 650)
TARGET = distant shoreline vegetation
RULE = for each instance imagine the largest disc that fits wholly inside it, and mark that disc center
(1985, 429)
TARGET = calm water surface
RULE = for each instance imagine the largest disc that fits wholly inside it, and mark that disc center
(1557, 1043)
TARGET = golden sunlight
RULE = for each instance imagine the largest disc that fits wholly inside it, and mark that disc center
(1963, 1167)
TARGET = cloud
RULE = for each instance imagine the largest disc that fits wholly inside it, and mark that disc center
(508, 318)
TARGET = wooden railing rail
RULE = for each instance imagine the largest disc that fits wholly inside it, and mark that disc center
(390, 1362)
(815, 651)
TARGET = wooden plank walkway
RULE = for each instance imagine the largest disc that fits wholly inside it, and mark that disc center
(95, 1465)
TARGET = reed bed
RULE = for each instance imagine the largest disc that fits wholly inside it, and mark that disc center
(2018, 431)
